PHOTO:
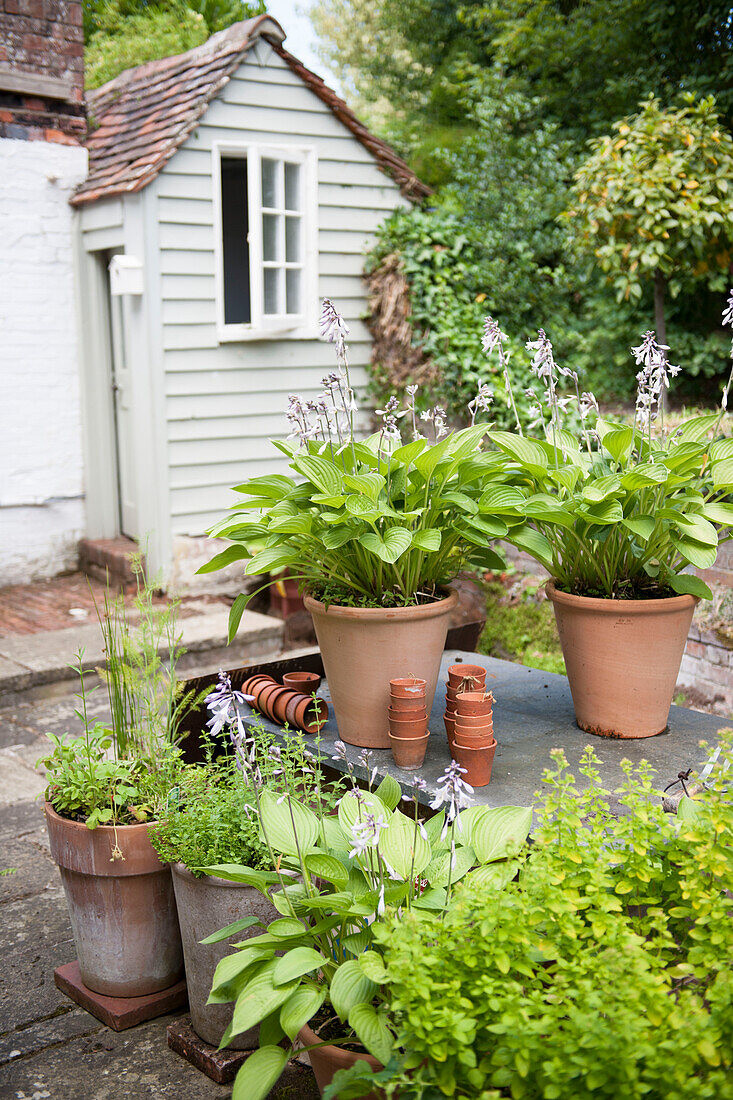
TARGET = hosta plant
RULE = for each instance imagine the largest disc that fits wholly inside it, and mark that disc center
(334, 878)
(380, 521)
(616, 510)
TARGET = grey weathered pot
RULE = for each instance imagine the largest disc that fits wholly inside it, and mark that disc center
(206, 905)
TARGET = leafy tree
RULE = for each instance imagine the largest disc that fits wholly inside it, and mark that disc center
(654, 202)
(120, 34)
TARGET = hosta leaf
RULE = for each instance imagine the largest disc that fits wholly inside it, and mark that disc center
(461, 500)
(426, 462)
(696, 553)
(535, 543)
(275, 486)
(362, 507)
(350, 986)
(390, 546)
(259, 1073)
(410, 451)
(292, 525)
(606, 511)
(646, 473)
(601, 488)
(719, 513)
(618, 442)
(445, 868)
(335, 537)
(269, 561)
(334, 836)
(350, 810)
(325, 866)
(721, 449)
(722, 473)
(277, 823)
(501, 498)
(295, 963)
(501, 832)
(237, 552)
(258, 999)
(403, 847)
(372, 1031)
(322, 473)
(389, 791)
(370, 485)
(527, 452)
(231, 966)
(694, 526)
(494, 876)
(285, 927)
(697, 427)
(641, 526)
(428, 539)
(300, 1007)
(688, 809)
(358, 942)
(687, 584)
(232, 929)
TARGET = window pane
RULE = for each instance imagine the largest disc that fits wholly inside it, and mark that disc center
(269, 236)
(292, 283)
(292, 240)
(272, 303)
(292, 187)
(269, 182)
(235, 247)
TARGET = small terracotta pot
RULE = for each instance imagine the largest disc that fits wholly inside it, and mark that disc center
(475, 702)
(449, 723)
(474, 740)
(255, 684)
(400, 705)
(408, 752)
(262, 701)
(622, 659)
(304, 682)
(290, 708)
(310, 716)
(474, 721)
(279, 704)
(477, 762)
(326, 1060)
(404, 687)
(408, 727)
(458, 673)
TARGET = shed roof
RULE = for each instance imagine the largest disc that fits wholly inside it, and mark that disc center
(139, 119)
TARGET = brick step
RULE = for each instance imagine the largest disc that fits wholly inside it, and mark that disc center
(109, 558)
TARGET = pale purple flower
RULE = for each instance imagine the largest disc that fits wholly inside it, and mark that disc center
(365, 834)
(452, 791)
(493, 338)
(223, 703)
(728, 311)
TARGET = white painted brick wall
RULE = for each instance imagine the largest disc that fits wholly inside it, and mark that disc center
(41, 473)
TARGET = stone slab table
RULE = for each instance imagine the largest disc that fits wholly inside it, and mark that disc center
(533, 714)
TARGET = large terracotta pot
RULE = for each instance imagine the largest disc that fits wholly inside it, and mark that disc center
(122, 911)
(205, 905)
(364, 647)
(327, 1060)
(622, 659)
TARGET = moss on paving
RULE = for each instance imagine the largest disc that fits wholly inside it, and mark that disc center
(519, 626)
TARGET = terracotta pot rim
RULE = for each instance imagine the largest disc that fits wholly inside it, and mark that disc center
(378, 614)
(100, 829)
(603, 605)
(309, 1038)
(393, 737)
(478, 748)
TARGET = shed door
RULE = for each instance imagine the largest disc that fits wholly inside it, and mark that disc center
(122, 389)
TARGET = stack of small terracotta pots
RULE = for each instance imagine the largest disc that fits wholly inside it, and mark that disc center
(469, 722)
(408, 721)
(283, 705)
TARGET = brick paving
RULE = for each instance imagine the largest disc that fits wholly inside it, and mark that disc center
(68, 601)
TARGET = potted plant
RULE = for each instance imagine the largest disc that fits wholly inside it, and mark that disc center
(374, 530)
(104, 788)
(616, 937)
(617, 513)
(307, 974)
(211, 821)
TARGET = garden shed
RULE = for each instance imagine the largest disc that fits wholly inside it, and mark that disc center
(228, 191)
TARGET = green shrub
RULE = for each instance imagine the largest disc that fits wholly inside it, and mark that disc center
(605, 970)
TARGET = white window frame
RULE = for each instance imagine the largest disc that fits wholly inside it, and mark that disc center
(263, 327)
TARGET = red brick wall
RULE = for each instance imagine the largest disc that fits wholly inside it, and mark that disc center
(42, 38)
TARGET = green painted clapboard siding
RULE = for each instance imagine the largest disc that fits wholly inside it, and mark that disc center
(224, 401)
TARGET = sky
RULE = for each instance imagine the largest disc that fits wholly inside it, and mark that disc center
(301, 38)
